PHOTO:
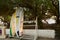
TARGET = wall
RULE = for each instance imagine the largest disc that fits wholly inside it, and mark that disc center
(41, 33)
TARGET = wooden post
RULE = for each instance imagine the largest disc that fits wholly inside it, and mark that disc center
(36, 30)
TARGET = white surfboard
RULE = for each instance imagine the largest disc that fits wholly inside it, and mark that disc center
(19, 20)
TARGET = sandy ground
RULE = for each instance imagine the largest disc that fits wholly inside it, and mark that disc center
(40, 38)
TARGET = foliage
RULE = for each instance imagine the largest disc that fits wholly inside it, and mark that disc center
(36, 7)
(7, 18)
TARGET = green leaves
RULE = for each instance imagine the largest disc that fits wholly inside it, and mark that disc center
(7, 18)
(37, 7)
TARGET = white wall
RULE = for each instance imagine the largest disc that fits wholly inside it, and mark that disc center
(46, 33)
(41, 33)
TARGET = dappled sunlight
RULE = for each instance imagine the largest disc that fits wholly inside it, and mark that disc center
(51, 21)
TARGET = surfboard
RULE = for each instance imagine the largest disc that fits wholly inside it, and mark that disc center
(13, 24)
(16, 24)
